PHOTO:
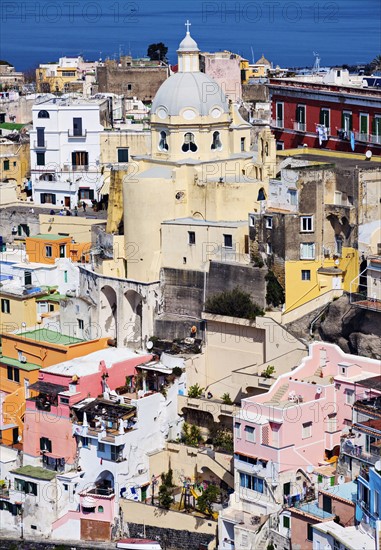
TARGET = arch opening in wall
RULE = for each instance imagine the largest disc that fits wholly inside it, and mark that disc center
(216, 143)
(163, 143)
(108, 312)
(189, 144)
(133, 318)
(43, 114)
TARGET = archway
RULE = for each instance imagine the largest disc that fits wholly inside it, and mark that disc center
(133, 317)
(108, 312)
(105, 482)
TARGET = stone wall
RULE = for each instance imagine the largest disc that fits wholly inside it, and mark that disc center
(172, 539)
(140, 82)
(225, 276)
(255, 92)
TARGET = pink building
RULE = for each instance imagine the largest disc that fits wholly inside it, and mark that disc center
(48, 426)
(282, 435)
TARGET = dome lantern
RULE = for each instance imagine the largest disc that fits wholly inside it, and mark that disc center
(188, 53)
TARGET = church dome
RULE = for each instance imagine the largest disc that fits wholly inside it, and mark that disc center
(188, 44)
(190, 91)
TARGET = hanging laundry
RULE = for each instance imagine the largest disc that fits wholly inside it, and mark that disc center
(352, 138)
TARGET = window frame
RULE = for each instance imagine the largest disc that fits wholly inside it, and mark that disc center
(268, 222)
(247, 431)
(311, 251)
(191, 238)
(40, 158)
(307, 430)
(5, 306)
(48, 251)
(306, 275)
(238, 430)
(228, 237)
(121, 151)
(307, 224)
(189, 143)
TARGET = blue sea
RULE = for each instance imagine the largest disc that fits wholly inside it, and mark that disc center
(287, 32)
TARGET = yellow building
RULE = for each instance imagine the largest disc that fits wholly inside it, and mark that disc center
(254, 70)
(14, 167)
(200, 165)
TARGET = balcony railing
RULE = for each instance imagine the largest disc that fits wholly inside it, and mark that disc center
(362, 300)
(77, 133)
(368, 138)
(300, 126)
(357, 452)
(39, 144)
(278, 123)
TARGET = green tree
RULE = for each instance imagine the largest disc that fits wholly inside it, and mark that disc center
(191, 435)
(227, 399)
(208, 498)
(375, 64)
(157, 52)
(195, 391)
(166, 489)
(234, 303)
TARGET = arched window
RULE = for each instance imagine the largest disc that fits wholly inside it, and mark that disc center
(47, 177)
(189, 144)
(100, 509)
(163, 145)
(43, 114)
(216, 143)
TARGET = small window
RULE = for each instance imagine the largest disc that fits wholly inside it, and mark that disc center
(228, 241)
(252, 221)
(16, 375)
(191, 237)
(77, 126)
(48, 251)
(292, 197)
(51, 307)
(306, 275)
(45, 444)
(269, 223)
(100, 509)
(65, 276)
(101, 447)
(306, 224)
(250, 434)
(66, 487)
(81, 324)
(216, 143)
(62, 250)
(243, 145)
(189, 144)
(286, 522)
(40, 159)
(237, 429)
(5, 305)
(349, 397)
(43, 114)
(163, 144)
(6, 165)
(64, 400)
(10, 373)
(309, 532)
(123, 154)
(129, 87)
(306, 430)
(27, 278)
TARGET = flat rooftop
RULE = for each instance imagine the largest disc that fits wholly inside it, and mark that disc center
(35, 472)
(346, 491)
(48, 237)
(89, 364)
(350, 537)
(50, 336)
(344, 160)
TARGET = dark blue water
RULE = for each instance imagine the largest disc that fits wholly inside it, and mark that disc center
(287, 32)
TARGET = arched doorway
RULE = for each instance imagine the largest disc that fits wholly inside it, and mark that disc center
(132, 328)
(108, 312)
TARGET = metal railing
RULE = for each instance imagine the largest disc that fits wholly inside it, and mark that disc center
(39, 145)
(77, 133)
(278, 122)
(368, 138)
(300, 126)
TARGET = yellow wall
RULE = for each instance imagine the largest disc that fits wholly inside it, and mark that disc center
(80, 228)
(35, 249)
(299, 292)
(57, 83)
(22, 310)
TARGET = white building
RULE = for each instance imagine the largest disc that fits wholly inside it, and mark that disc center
(65, 149)
(330, 535)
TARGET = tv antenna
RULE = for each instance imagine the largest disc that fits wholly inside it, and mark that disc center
(252, 54)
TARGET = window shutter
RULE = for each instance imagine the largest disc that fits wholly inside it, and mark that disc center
(53, 199)
(91, 194)
(321, 116)
(42, 198)
(73, 159)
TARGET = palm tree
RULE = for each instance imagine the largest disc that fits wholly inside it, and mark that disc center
(376, 63)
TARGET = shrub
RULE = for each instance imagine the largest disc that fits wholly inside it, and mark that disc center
(191, 435)
(195, 391)
(234, 303)
(166, 489)
(274, 290)
(177, 371)
(268, 372)
(223, 440)
(208, 498)
(226, 399)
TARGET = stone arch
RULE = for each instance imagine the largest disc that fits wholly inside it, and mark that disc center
(133, 314)
(108, 311)
(105, 481)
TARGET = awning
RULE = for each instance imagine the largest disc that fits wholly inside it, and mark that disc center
(105, 189)
(47, 387)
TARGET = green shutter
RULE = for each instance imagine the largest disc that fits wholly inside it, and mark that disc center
(363, 124)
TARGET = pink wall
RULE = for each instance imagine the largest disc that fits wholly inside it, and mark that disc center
(345, 510)
(56, 424)
(108, 508)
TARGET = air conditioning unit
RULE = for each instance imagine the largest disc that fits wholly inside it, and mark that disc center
(23, 359)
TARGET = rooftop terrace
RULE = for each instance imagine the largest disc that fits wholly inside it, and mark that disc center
(50, 336)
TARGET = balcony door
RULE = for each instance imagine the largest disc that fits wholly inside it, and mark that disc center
(364, 125)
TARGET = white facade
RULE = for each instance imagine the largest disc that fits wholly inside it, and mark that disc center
(330, 535)
(65, 150)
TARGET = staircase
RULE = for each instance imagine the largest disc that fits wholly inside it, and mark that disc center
(276, 398)
(218, 469)
(318, 372)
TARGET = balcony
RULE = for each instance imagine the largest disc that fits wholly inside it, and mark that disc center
(300, 126)
(39, 144)
(277, 123)
(215, 407)
(356, 451)
(76, 134)
(368, 138)
(98, 491)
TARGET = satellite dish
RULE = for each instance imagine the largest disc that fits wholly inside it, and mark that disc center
(318, 390)
(378, 465)
(337, 262)
(368, 154)
(341, 480)
(150, 345)
(310, 468)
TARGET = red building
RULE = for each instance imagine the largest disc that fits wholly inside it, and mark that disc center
(327, 112)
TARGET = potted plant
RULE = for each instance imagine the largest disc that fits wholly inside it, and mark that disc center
(226, 399)
(268, 371)
(195, 391)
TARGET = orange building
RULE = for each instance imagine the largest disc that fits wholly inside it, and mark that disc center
(46, 249)
(23, 355)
